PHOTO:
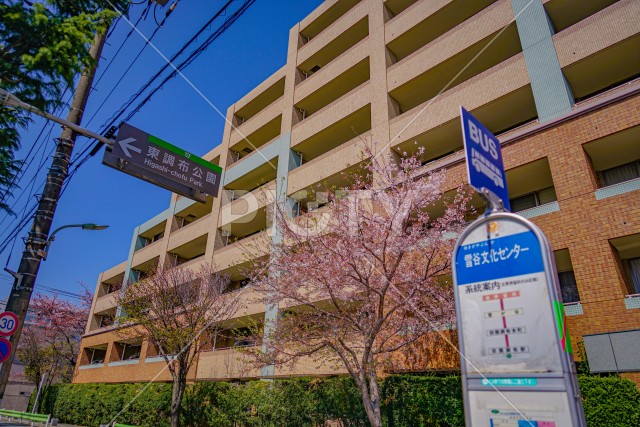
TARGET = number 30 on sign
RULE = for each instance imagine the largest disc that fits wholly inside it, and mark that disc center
(8, 324)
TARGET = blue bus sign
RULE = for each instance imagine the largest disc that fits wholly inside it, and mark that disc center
(484, 159)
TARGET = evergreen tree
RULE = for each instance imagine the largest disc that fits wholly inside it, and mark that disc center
(43, 47)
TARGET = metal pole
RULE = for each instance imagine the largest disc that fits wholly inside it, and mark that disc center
(35, 403)
(25, 278)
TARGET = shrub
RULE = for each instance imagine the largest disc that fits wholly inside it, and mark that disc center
(411, 400)
(407, 401)
(610, 401)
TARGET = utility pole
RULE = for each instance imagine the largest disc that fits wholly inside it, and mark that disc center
(25, 277)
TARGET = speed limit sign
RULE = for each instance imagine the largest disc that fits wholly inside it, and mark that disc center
(8, 324)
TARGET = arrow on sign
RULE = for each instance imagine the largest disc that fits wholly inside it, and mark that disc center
(125, 144)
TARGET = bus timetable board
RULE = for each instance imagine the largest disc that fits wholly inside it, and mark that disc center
(517, 366)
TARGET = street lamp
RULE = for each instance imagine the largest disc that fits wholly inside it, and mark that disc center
(42, 253)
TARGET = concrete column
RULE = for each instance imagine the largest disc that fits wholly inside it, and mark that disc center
(289, 118)
(378, 62)
(214, 240)
(287, 161)
(551, 91)
(129, 274)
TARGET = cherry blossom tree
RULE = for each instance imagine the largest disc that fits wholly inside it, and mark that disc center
(49, 346)
(365, 276)
(178, 310)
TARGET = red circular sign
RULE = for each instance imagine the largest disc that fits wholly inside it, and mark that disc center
(8, 324)
(5, 349)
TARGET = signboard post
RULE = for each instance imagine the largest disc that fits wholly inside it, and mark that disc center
(517, 367)
(147, 157)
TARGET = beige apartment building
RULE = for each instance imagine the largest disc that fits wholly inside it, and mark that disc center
(556, 80)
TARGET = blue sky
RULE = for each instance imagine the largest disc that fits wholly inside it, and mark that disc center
(251, 50)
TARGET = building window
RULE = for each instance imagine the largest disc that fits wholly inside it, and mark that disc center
(97, 356)
(131, 352)
(531, 200)
(633, 269)
(105, 320)
(568, 287)
(621, 173)
(568, 284)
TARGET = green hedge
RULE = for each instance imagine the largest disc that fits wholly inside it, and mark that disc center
(408, 400)
(95, 404)
(610, 401)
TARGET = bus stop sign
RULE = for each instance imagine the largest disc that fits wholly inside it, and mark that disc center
(484, 159)
(517, 367)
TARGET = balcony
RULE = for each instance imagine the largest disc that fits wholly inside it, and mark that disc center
(335, 124)
(531, 186)
(110, 285)
(500, 97)
(193, 212)
(565, 13)
(257, 132)
(239, 204)
(187, 251)
(332, 70)
(610, 157)
(227, 364)
(457, 57)
(610, 57)
(152, 235)
(93, 357)
(103, 316)
(141, 269)
(319, 20)
(190, 231)
(259, 98)
(106, 302)
(251, 247)
(329, 164)
(343, 34)
(426, 20)
(149, 253)
(333, 90)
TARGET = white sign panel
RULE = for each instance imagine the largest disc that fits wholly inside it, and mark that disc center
(505, 307)
(530, 409)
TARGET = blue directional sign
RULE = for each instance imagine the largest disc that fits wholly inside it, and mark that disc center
(484, 158)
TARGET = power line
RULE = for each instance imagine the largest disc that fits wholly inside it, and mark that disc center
(84, 156)
(115, 55)
(21, 172)
(45, 288)
(153, 34)
(114, 118)
(195, 54)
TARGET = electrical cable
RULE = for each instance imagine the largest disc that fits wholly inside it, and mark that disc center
(192, 57)
(33, 178)
(115, 55)
(20, 173)
(112, 120)
(79, 160)
(45, 288)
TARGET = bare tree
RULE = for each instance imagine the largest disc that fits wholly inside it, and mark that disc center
(179, 311)
(365, 276)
